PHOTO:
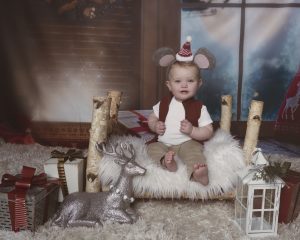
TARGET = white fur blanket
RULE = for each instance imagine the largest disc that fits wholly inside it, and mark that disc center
(224, 158)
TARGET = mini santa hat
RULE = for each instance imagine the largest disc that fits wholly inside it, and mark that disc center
(185, 53)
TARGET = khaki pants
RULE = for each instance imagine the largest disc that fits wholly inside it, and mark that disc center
(190, 152)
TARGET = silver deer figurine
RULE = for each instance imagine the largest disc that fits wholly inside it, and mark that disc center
(92, 209)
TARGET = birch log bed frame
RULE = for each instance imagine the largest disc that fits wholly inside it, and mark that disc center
(105, 126)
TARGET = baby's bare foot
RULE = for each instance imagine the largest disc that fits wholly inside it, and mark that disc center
(169, 161)
(200, 174)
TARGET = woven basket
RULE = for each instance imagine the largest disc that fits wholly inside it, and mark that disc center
(37, 212)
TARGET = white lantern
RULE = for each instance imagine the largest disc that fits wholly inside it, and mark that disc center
(257, 201)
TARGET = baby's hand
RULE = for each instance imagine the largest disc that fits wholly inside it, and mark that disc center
(186, 127)
(160, 128)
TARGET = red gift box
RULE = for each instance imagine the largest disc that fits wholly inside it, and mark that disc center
(27, 200)
(290, 198)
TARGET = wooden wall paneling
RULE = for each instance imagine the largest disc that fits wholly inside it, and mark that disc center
(160, 27)
(99, 52)
(61, 134)
(149, 38)
(137, 50)
(169, 35)
(78, 51)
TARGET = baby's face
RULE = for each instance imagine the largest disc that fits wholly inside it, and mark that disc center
(183, 82)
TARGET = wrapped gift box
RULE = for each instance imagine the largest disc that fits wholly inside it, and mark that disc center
(40, 203)
(290, 197)
(74, 173)
(136, 123)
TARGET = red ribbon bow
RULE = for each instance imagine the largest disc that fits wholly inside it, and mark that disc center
(16, 197)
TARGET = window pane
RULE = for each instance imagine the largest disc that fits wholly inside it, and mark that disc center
(268, 220)
(271, 57)
(257, 203)
(245, 195)
(239, 188)
(219, 32)
(271, 53)
(258, 192)
(256, 221)
(240, 214)
(270, 198)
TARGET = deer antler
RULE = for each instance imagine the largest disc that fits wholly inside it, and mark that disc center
(101, 147)
(128, 148)
(121, 155)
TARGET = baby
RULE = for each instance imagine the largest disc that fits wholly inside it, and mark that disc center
(180, 120)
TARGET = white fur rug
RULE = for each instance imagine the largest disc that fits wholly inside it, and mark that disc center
(159, 219)
(224, 158)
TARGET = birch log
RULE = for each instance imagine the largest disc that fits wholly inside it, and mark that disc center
(115, 103)
(98, 133)
(226, 112)
(253, 126)
(114, 108)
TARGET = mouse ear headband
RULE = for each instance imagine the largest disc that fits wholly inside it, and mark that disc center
(164, 56)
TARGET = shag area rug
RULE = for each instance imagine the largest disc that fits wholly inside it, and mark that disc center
(159, 219)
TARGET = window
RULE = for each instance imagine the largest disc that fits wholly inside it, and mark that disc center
(257, 47)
